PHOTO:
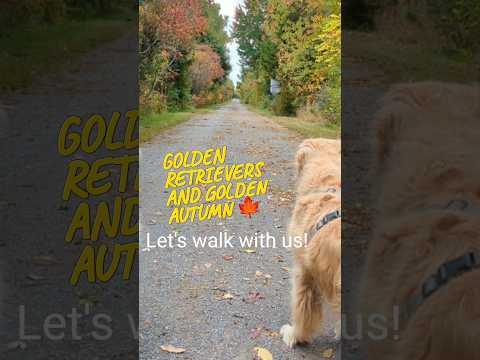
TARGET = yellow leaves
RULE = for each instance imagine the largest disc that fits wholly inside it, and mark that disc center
(308, 48)
(328, 353)
(172, 349)
(262, 354)
(225, 296)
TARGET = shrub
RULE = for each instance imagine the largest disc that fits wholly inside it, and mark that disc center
(54, 11)
(151, 100)
(283, 104)
(459, 21)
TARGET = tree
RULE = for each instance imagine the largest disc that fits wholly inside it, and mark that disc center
(215, 35)
(205, 69)
(247, 30)
(168, 29)
(173, 24)
(182, 51)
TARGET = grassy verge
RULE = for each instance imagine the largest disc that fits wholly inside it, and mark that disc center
(309, 129)
(152, 124)
(37, 49)
(306, 128)
(403, 61)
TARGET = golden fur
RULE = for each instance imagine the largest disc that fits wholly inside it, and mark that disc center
(317, 272)
(428, 136)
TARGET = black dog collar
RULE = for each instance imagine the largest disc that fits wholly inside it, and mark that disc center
(327, 218)
(445, 273)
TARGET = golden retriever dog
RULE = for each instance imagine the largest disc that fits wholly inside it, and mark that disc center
(420, 274)
(316, 216)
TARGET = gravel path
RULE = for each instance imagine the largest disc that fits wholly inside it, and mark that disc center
(362, 87)
(180, 288)
(34, 251)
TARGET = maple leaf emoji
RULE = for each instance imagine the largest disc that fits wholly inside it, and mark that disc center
(248, 207)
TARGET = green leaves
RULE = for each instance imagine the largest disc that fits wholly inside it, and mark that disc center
(296, 42)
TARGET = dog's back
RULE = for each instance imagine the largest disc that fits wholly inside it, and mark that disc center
(317, 273)
(426, 143)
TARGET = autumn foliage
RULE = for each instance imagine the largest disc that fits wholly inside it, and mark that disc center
(206, 68)
(296, 42)
(183, 56)
(172, 24)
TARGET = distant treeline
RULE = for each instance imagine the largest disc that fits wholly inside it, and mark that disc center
(456, 22)
(22, 12)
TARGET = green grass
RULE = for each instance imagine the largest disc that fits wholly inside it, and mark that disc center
(306, 128)
(37, 49)
(152, 124)
(404, 61)
(309, 129)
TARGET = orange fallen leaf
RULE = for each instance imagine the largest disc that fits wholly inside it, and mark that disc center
(248, 207)
(227, 257)
(172, 349)
(271, 333)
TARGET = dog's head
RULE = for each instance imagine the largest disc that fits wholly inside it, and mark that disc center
(425, 136)
(318, 165)
(424, 111)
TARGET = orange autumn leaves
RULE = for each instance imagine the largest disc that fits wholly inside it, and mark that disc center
(248, 208)
(174, 23)
(206, 68)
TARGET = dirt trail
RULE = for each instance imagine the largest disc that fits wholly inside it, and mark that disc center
(178, 287)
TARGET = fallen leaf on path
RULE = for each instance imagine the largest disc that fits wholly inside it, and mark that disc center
(85, 299)
(172, 349)
(249, 251)
(284, 268)
(327, 353)
(271, 333)
(253, 297)
(45, 260)
(16, 345)
(262, 354)
(35, 277)
(227, 257)
(226, 296)
(256, 333)
(248, 208)
(258, 273)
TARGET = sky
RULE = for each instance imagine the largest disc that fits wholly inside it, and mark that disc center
(228, 9)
